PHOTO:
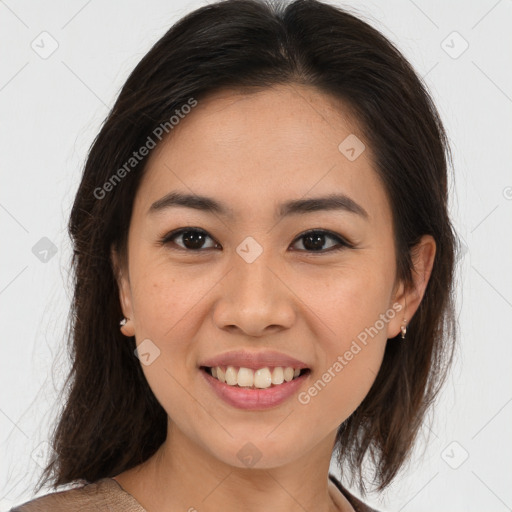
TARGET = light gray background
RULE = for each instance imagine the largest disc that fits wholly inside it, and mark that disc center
(51, 109)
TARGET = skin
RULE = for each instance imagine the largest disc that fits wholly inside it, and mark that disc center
(252, 152)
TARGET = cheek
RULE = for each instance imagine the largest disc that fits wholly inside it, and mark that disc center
(339, 390)
(165, 304)
(351, 362)
(353, 308)
(346, 300)
(165, 298)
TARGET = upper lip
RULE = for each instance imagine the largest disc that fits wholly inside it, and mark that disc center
(253, 360)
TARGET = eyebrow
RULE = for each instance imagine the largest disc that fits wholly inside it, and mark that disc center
(293, 207)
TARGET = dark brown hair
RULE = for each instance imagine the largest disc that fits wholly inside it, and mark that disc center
(111, 420)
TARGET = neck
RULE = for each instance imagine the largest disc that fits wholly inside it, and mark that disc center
(182, 475)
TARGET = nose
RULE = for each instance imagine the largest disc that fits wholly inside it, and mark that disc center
(254, 299)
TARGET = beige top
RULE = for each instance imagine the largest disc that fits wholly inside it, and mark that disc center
(107, 495)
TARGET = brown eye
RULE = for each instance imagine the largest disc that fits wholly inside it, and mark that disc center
(191, 239)
(314, 241)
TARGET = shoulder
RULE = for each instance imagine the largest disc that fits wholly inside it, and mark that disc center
(102, 495)
(356, 503)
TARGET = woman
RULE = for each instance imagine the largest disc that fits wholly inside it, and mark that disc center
(264, 264)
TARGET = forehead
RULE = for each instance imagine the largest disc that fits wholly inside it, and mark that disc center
(266, 146)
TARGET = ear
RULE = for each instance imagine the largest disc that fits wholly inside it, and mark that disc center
(125, 295)
(423, 256)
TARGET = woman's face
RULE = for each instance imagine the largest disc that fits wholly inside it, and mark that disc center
(248, 279)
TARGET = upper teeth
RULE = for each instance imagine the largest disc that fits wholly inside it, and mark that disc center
(262, 378)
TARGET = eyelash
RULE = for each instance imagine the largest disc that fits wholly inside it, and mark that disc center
(343, 242)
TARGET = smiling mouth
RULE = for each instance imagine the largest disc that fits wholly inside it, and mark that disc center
(247, 378)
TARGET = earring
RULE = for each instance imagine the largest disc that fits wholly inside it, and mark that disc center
(403, 328)
(123, 322)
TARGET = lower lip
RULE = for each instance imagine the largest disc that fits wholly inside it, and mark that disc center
(254, 399)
